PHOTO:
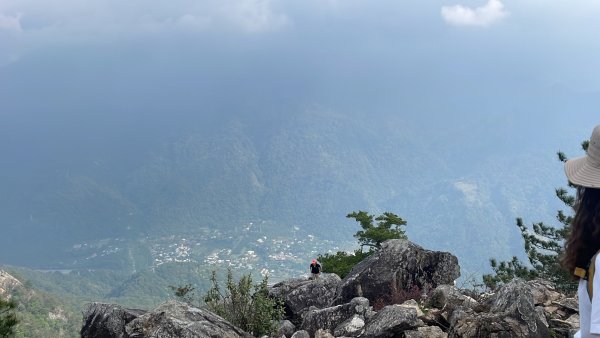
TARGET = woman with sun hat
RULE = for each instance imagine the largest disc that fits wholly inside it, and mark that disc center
(583, 242)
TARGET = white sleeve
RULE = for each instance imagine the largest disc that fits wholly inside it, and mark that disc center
(595, 314)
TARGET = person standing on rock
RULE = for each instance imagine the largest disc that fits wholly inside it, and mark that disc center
(584, 240)
(315, 269)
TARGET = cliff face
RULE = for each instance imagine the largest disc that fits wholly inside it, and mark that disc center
(402, 291)
(40, 314)
(8, 283)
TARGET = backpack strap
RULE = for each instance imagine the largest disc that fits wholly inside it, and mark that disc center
(587, 274)
(590, 276)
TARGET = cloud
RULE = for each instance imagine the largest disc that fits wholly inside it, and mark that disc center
(10, 33)
(194, 21)
(255, 15)
(59, 22)
(94, 16)
(10, 23)
(492, 12)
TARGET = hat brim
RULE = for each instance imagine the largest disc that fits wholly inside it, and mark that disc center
(581, 172)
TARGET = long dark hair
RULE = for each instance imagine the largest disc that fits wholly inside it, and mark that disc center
(584, 237)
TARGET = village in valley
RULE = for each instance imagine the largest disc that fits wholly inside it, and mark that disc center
(280, 252)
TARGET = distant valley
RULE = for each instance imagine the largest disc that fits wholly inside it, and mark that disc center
(262, 193)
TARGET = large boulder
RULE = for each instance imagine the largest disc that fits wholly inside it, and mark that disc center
(286, 329)
(391, 321)
(301, 334)
(299, 294)
(179, 320)
(426, 332)
(351, 327)
(512, 313)
(330, 318)
(107, 320)
(449, 294)
(398, 265)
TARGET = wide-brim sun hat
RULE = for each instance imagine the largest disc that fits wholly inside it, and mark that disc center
(585, 171)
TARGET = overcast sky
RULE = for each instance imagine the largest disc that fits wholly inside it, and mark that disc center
(134, 56)
(82, 80)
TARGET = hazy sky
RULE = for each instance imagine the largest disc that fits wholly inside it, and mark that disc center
(91, 78)
(134, 56)
(551, 41)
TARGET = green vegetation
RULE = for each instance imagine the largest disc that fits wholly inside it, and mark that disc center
(44, 315)
(544, 247)
(341, 263)
(8, 319)
(245, 305)
(35, 313)
(50, 303)
(184, 293)
(389, 226)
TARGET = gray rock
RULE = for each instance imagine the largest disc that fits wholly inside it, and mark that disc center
(398, 264)
(426, 332)
(351, 327)
(323, 334)
(179, 320)
(512, 314)
(413, 304)
(449, 294)
(391, 321)
(286, 328)
(541, 315)
(331, 317)
(301, 334)
(543, 292)
(107, 320)
(448, 304)
(300, 294)
(571, 305)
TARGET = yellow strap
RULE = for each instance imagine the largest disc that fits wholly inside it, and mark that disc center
(580, 272)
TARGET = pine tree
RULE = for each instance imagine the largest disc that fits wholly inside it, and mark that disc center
(8, 319)
(544, 245)
(389, 226)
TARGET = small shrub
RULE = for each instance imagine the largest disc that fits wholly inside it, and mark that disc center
(184, 293)
(245, 305)
(398, 296)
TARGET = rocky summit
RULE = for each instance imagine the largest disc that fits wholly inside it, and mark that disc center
(402, 290)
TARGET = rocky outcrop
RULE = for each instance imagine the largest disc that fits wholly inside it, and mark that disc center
(330, 318)
(300, 294)
(107, 320)
(398, 265)
(391, 321)
(179, 320)
(518, 309)
(8, 283)
(318, 310)
(512, 313)
(170, 320)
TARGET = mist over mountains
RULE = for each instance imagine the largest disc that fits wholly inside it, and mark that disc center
(144, 145)
(143, 121)
(458, 179)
